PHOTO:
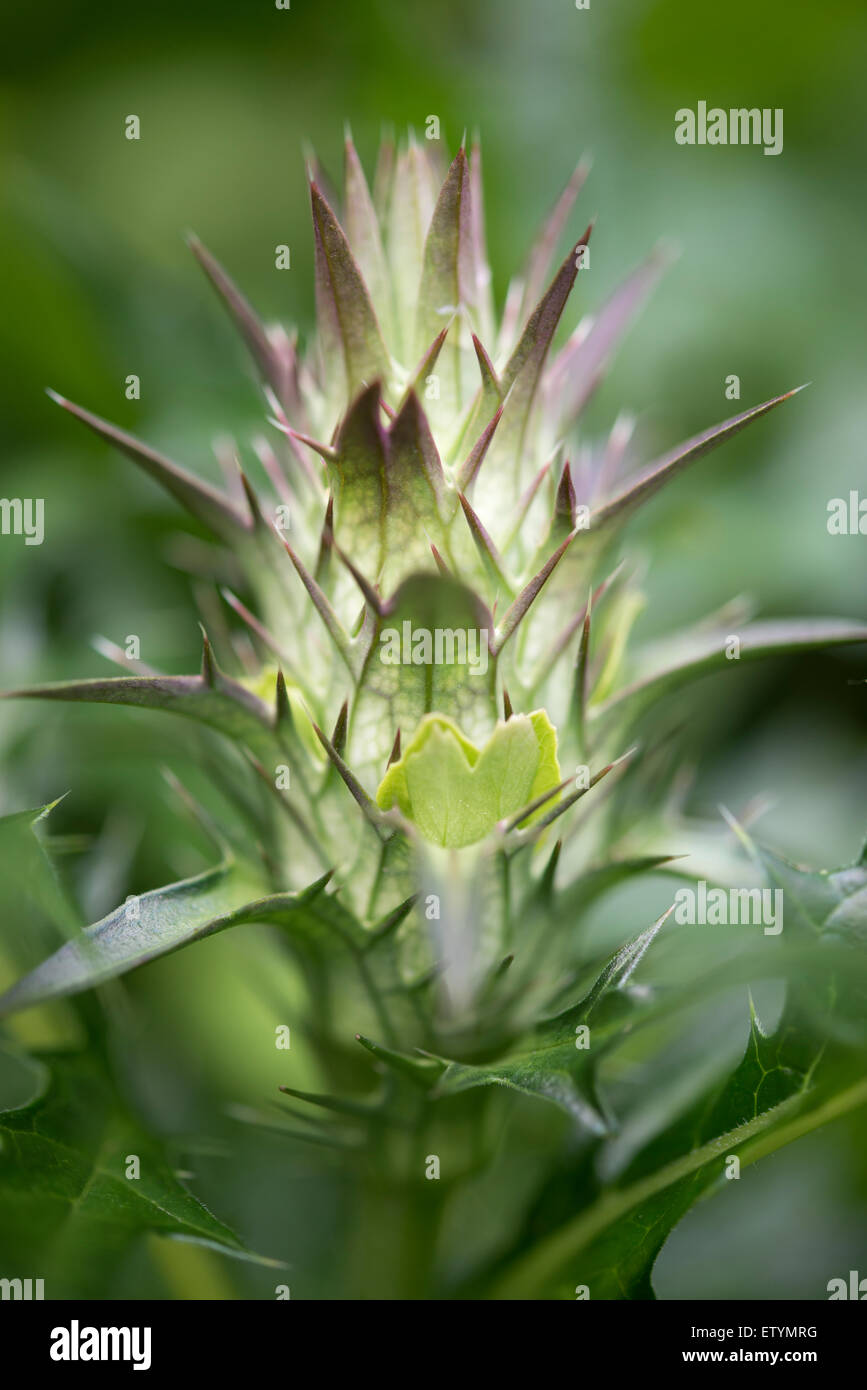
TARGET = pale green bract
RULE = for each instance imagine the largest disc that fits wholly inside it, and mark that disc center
(456, 793)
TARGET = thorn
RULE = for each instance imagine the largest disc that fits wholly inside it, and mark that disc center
(284, 709)
(490, 556)
(564, 505)
(323, 450)
(440, 562)
(476, 458)
(581, 673)
(329, 618)
(368, 806)
(370, 595)
(343, 1107)
(252, 502)
(507, 705)
(529, 593)
(209, 665)
(540, 801)
(423, 1071)
(392, 921)
(486, 368)
(338, 738)
(394, 755)
(259, 629)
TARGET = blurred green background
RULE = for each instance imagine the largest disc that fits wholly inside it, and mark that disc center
(98, 284)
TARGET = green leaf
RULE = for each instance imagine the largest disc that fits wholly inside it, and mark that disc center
(389, 487)
(612, 1245)
(23, 1079)
(67, 1208)
(358, 472)
(148, 926)
(27, 874)
(416, 494)
(455, 793)
(678, 661)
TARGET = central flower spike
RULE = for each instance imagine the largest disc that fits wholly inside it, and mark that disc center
(456, 793)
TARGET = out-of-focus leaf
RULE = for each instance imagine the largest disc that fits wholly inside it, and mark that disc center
(677, 661)
(545, 245)
(276, 368)
(612, 1245)
(23, 1079)
(67, 1207)
(156, 923)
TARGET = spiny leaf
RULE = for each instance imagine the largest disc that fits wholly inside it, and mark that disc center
(358, 470)
(561, 1028)
(639, 488)
(156, 923)
(613, 1254)
(140, 930)
(199, 498)
(220, 702)
(63, 1173)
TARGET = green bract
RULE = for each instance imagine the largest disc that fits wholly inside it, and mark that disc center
(455, 793)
